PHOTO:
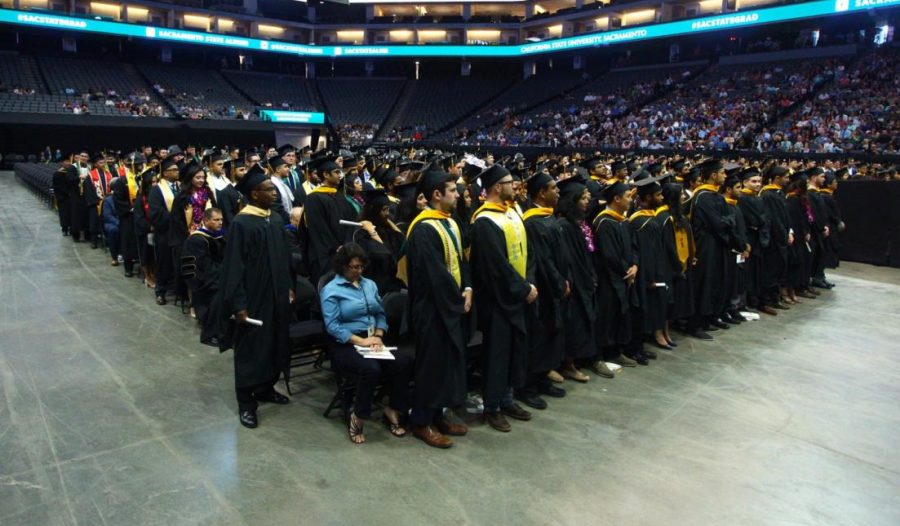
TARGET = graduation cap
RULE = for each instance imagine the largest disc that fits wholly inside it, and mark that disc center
(537, 182)
(324, 164)
(815, 172)
(574, 185)
(679, 165)
(376, 198)
(285, 149)
(98, 157)
(748, 173)
(385, 176)
(406, 190)
(136, 158)
(275, 162)
(253, 178)
(800, 176)
(174, 150)
(432, 180)
(711, 166)
(646, 183)
(839, 174)
(618, 166)
(492, 176)
(732, 179)
(213, 157)
(777, 171)
(610, 192)
(592, 163)
(189, 170)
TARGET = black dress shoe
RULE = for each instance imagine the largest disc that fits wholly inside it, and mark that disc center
(532, 400)
(515, 411)
(129, 273)
(552, 390)
(661, 346)
(729, 318)
(640, 358)
(274, 397)
(248, 419)
(701, 335)
(649, 354)
(93, 244)
(673, 343)
(720, 324)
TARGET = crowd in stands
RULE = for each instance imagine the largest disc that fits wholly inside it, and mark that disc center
(857, 112)
(357, 134)
(137, 104)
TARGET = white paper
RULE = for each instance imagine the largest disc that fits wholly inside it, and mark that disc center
(385, 354)
(252, 321)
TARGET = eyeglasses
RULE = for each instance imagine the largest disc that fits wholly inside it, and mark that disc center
(358, 268)
(506, 182)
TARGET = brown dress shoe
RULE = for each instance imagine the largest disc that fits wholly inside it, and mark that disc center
(765, 309)
(432, 437)
(555, 377)
(497, 421)
(449, 428)
(807, 295)
(514, 410)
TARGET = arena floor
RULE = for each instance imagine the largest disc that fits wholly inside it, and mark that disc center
(111, 412)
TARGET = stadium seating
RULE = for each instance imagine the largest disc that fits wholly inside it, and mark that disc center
(285, 92)
(198, 94)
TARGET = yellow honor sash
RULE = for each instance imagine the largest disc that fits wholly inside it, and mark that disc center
(537, 212)
(513, 232)
(255, 211)
(168, 196)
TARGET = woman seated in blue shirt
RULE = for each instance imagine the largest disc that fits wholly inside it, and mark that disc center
(354, 315)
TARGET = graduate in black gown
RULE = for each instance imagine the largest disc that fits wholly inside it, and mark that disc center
(759, 233)
(545, 317)
(739, 251)
(616, 266)
(580, 305)
(75, 177)
(680, 255)
(201, 264)
(651, 284)
(228, 199)
(440, 296)
(833, 217)
(503, 287)
(779, 253)
(803, 222)
(711, 226)
(320, 228)
(94, 189)
(256, 284)
(61, 195)
(125, 191)
(822, 249)
(160, 202)
(382, 240)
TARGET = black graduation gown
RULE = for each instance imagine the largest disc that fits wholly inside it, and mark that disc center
(77, 205)
(61, 195)
(758, 228)
(321, 233)
(800, 265)
(500, 293)
(776, 255)
(651, 270)
(581, 307)
(202, 263)
(142, 228)
(615, 250)
(437, 312)
(255, 276)
(711, 226)
(680, 293)
(595, 188)
(230, 202)
(546, 316)
(735, 283)
(382, 267)
(820, 244)
(125, 211)
(833, 220)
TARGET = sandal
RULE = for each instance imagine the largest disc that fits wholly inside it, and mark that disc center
(355, 430)
(395, 429)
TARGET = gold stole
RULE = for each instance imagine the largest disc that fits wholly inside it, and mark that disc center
(308, 187)
(770, 187)
(452, 248)
(747, 191)
(513, 231)
(732, 202)
(251, 210)
(537, 212)
(828, 191)
(168, 196)
(132, 187)
(613, 214)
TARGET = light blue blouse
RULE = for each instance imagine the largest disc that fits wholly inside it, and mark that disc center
(348, 310)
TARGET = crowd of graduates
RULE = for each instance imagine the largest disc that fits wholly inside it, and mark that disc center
(565, 265)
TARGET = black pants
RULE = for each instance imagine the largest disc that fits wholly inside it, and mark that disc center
(536, 381)
(369, 372)
(425, 416)
(95, 227)
(246, 396)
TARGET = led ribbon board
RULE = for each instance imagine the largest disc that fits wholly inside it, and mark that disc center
(292, 117)
(669, 29)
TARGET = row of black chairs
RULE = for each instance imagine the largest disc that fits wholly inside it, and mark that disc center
(38, 178)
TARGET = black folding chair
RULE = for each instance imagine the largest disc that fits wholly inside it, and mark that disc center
(307, 334)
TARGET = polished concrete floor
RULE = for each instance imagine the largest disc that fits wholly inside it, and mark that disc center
(112, 413)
